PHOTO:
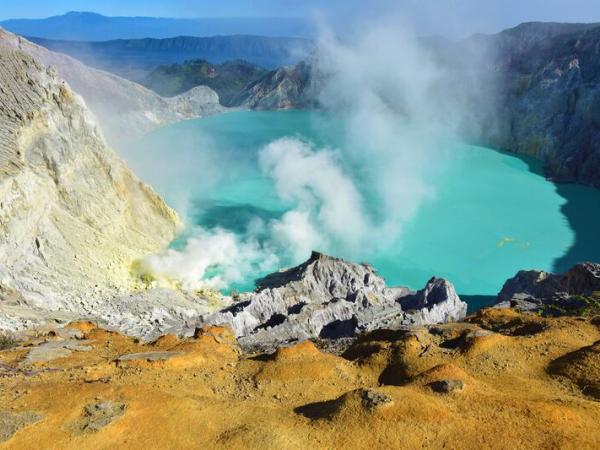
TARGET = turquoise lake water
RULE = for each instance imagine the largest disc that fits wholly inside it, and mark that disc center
(492, 213)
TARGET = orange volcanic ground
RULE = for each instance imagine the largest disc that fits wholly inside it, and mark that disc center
(499, 380)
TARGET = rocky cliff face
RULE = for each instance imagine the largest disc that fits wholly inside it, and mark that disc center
(575, 292)
(284, 88)
(548, 97)
(328, 297)
(73, 217)
(125, 109)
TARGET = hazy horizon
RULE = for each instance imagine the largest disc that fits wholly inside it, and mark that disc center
(452, 18)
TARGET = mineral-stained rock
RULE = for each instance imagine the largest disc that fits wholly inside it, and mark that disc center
(372, 399)
(447, 386)
(327, 297)
(574, 291)
(304, 398)
(73, 217)
(11, 422)
(582, 367)
(99, 414)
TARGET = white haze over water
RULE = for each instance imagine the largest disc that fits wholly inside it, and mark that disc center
(351, 201)
(329, 207)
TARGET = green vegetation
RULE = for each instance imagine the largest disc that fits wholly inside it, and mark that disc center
(591, 304)
(8, 341)
(580, 305)
(228, 79)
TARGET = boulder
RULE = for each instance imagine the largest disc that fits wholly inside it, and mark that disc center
(447, 386)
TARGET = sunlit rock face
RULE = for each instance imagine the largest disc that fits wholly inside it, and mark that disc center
(284, 88)
(547, 90)
(125, 109)
(73, 217)
(576, 291)
(330, 298)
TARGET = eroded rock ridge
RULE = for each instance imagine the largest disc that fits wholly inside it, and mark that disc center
(327, 297)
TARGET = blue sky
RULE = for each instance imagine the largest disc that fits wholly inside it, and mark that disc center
(457, 17)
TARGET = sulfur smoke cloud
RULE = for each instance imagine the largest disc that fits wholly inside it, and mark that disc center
(397, 114)
(328, 206)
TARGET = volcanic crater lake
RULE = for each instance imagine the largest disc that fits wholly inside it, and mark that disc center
(492, 213)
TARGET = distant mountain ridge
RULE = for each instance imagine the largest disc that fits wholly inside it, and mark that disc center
(87, 26)
(125, 57)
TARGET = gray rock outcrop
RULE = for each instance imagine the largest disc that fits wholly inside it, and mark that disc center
(327, 297)
(11, 422)
(98, 415)
(535, 290)
(283, 88)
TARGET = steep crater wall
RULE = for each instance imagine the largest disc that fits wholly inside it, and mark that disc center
(73, 217)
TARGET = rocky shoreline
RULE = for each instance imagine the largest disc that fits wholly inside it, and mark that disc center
(327, 300)
(575, 292)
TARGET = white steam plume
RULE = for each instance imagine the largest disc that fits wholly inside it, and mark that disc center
(211, 259)
(397, 119)
(385, 86)
(328, 206)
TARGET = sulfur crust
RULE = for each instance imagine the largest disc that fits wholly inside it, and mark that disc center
(520, 391)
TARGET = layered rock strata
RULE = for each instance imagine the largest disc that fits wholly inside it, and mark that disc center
(327, 297)
(73, 217)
